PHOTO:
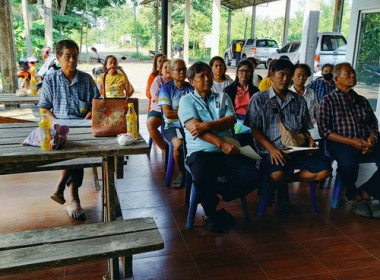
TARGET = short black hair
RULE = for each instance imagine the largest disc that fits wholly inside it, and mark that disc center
(284, 57)
(68, 44)
(327, 65)
(196, 68)
(305, 67)
(282, 64)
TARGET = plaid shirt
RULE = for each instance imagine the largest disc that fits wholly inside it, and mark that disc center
(321, 88)
(335, 114)
(293, 111)
(68, 101)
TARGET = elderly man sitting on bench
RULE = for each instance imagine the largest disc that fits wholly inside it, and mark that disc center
(67, 94)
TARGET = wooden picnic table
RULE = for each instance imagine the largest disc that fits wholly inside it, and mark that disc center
(80, 144)
(12, 100)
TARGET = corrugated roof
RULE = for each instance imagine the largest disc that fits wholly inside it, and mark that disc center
(231, 4)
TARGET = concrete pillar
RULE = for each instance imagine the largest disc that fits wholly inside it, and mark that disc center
(286, 23)
(164, 27)
(215, 27)
(169, 41)
(186, 32)
(253, 22)
(229, 28)
(310, 31)
(48, 14)
(156, 26)
(338, 15)
(7, 48)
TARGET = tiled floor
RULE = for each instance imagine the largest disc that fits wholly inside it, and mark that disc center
(299, 245)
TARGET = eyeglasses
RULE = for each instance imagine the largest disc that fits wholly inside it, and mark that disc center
(245, 71)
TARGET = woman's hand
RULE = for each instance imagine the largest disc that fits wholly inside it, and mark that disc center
(229, 149)
(198, 128)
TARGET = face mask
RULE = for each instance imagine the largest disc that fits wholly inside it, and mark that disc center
(328, 76)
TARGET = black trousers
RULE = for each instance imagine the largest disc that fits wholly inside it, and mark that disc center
(240, 174)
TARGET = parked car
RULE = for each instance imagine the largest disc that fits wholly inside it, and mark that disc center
(291, 50)
(230, 54)
(260, 48)
(331, 48)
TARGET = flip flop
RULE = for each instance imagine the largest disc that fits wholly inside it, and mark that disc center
(58, 198)
(178, 183)
(76, 215)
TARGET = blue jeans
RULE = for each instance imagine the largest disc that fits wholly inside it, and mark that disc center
(240, 172)
(348, 159)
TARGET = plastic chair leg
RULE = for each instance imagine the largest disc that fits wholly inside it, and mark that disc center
(265, 198)
(188, 184)
(170, 166)
(192, 208)
(338, 187)
(313, 197)
(150, 143)
(244, 207)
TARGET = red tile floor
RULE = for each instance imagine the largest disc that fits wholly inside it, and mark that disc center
(299, 245)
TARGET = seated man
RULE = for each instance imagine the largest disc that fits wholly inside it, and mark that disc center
(347, 121)
(270, 109)
(170, 93)
(67, 94)
(209, 156)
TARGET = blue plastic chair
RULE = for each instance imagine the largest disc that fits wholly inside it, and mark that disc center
(267, 192)
(192, 198)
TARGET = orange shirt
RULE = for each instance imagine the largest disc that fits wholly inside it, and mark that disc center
(147, 91)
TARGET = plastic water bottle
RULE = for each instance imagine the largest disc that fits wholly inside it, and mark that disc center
(45, 134)
(33, 86)
(132, 121)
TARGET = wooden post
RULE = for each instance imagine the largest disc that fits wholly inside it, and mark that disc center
(229, 29)
(25, 15)
(169, 40)
(156, 26)
(7, 48)
(338, 15)
(164, 26)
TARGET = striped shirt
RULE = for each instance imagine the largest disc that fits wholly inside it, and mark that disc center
(293, 112)
(68, 101)
(311, 101)
(321, 88)
(335, 114)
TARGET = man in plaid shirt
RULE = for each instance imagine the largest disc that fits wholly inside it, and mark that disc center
(349, 124)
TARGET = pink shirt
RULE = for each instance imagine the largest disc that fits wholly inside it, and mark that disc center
(242, 100)
(155, 90)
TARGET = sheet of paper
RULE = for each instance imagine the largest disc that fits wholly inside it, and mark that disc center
(249, 152)
(232, 141)
(73, 122)
(299, 149)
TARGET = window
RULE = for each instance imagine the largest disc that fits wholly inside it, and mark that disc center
(294, 47)
(271, 44)
(332, 42)
(285, 48)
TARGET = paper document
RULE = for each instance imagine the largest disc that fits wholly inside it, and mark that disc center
(299, 149)
(232, 141)
(73, 122)
(249, 152)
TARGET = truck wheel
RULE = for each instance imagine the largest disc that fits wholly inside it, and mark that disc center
(227, 60)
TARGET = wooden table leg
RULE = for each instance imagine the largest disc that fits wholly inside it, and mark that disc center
(108, 168)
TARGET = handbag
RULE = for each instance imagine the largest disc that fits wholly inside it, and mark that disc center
(288, 138)
(108, 114)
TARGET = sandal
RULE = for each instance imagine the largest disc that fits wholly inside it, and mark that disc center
(178, 183)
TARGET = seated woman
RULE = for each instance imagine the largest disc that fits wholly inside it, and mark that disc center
(240, 92)
(221, 80)
(157, 65)
(209, 155)
(116, 83)
(170, 94)
(256, 79)
(154, 120)
(266, 83)
(301, 73)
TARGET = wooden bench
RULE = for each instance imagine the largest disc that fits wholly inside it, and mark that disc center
(22, 252)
